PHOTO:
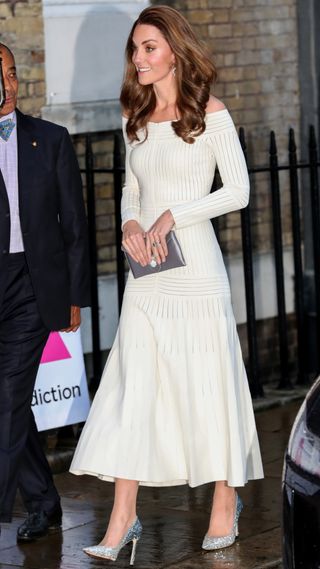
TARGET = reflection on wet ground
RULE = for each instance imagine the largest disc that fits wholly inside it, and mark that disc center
(174, 519)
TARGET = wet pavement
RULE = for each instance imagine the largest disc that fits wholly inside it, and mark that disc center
(174, 519)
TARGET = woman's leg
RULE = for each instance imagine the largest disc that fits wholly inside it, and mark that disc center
(123, 511)
(223, 510)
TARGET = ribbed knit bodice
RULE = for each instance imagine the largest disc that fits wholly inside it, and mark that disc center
(164, 172)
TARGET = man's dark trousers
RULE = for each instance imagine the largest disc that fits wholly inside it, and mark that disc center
(22, 339)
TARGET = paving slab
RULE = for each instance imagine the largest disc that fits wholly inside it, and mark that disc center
(174, 519)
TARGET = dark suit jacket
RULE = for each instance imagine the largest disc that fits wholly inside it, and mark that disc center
(52, 219)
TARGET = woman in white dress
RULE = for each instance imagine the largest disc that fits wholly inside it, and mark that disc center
(173, 406)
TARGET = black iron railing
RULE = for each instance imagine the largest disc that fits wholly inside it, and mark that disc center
(253, 362)
(297, 257)
(273, 170)
(91, 209)
(315, 210)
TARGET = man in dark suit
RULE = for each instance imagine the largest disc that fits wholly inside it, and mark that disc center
(44, 280)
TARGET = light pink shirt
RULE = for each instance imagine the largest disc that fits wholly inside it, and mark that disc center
(9, 170)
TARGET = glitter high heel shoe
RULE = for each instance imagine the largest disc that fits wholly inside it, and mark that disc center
(133, 534)
(212, 542)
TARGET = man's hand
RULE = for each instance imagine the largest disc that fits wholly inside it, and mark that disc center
(75, 320)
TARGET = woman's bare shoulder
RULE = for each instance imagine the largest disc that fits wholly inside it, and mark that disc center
(214, 105)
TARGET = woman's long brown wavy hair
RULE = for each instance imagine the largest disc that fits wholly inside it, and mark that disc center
(194, 76)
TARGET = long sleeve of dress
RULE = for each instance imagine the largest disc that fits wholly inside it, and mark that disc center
(130, 202)
(223, 139)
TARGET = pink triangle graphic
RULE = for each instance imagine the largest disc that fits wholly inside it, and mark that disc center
(55, 349)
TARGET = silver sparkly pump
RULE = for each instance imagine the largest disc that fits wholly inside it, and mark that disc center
(211, 542)
(133, 534)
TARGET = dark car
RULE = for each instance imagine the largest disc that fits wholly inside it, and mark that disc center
(301, 487)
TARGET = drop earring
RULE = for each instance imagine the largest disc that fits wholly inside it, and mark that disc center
(174, 70)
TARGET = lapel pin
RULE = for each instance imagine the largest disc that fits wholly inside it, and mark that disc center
(34, 143)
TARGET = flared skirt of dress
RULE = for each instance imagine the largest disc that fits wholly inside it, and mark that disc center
(173, 406)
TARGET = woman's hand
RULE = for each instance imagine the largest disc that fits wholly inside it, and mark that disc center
(156, 236)
(133, 241)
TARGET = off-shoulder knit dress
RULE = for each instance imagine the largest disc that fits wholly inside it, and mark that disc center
(173, 406)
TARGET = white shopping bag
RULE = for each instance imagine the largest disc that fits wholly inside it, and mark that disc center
(61, 395)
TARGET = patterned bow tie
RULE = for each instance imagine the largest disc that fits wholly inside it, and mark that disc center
(6, 128)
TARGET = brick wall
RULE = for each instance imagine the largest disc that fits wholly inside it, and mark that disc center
(21, 28)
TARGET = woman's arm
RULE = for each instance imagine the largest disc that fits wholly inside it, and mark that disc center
(130, 202)
(234, 194)
(133, 238)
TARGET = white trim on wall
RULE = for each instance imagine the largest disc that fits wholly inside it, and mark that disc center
(53, 8)
(84, 59)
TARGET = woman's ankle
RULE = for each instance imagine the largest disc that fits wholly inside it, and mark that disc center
(123, 518)
(223, 493)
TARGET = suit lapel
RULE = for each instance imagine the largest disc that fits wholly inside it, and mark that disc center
(27, 154)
